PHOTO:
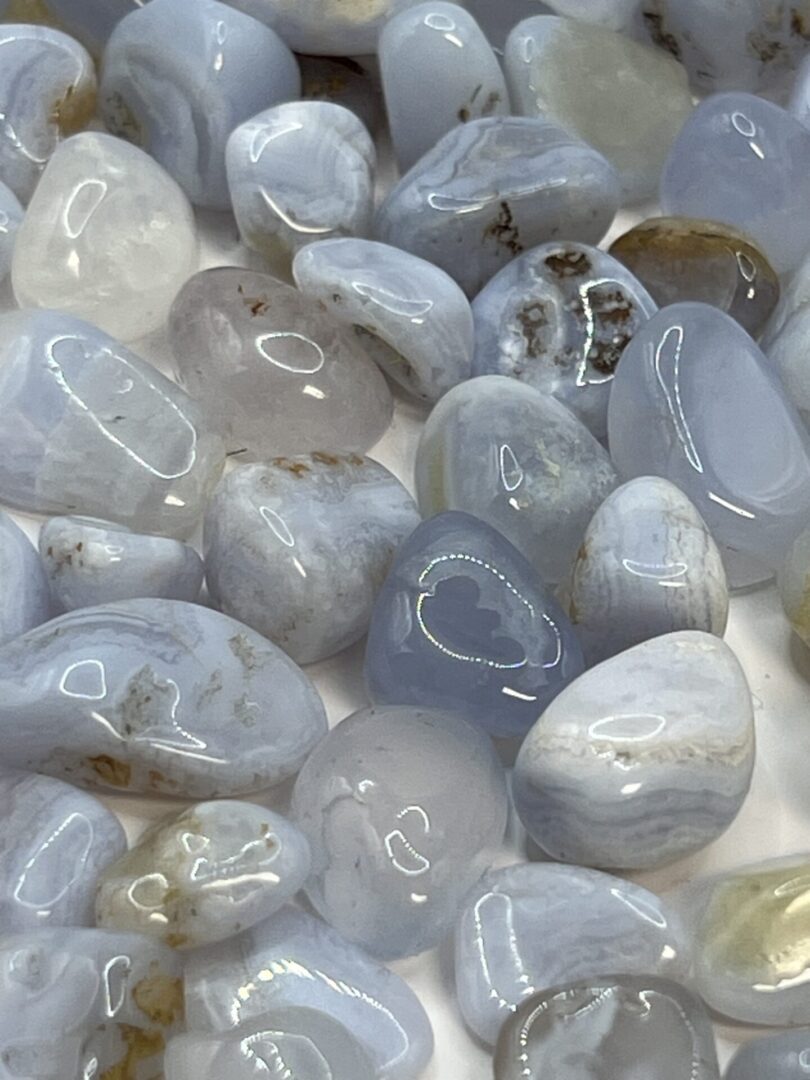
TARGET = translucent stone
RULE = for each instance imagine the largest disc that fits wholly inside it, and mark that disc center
(647, 566)
(294, 960)
(411, 317)
(108, 237)
(794, 586)
(394, 848)
(464, 623)
(496, 20)
(517, 459)
(87, 426)
(795, 295)
(55, 842)
(612, 14)
(344, 80)
(177, 79)
(272, 369)
(629, 106)
(493, 188)
(155, 697)
(532, 927)
(644, 759)
(559, 318)
(26, 596)
(778, 1057)
(299, 548)
(200, 877)
(91, 21)
(787, 353)
(11, 215)
(744, 161)
(47, 92)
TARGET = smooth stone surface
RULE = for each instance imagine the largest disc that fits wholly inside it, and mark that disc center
(155, 697)
(795, 295)
(177, 79)
(55, 842)
(612, 14)
(609, 1029)
(464, 623)
(300, 172)
(744, 161)
(205, 875)
(314, 966)
(349, 81)
(90, 21)
(494, 188)
(11, 215)
(87, 426)
(26, 595)
(647, 566)
(643, 760)
(778, 1057)
(108, 237)
(787, 353)
(794, 586)
(681, 259)
(496, 20)
(394, 847)
(559, 318)
(695, 401)
(516, 458)
(299, 548)
(272, 369)
(622, 97)
(531, 927)
(411, 317)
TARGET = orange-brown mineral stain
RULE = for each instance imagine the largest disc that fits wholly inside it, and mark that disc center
(112, 771)
(140, 1046)
(160, 998)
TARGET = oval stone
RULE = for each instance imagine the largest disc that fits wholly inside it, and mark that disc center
(11, 215)
(794, 586)
(26, 595)
(778, 1057)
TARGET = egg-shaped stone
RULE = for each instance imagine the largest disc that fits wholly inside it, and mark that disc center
(785, 1056)
(26, 595)
(11, 215)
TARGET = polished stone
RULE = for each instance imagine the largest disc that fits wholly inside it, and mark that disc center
(349, 81)
(155, 697)
(795, 295)
(787, 353)
(11, 215)
(292, 960)
(559, 318)
(90, 21)
(464, 623)
(273, 369)
(519, 460)
(794, 586)
(778, 1057)
(532, 927)
(298, 548)
(26, 595)
(86, 426)
(411, 317)
(612, 14)
(494, 188)
(496, 20)
(394, 847)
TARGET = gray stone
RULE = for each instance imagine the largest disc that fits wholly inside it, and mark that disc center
(90, 21)
(787, 353)
(11, 215)
(779, 1057)
(26, 595)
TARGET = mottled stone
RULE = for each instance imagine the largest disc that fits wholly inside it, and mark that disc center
(411, 317)
(531, 927)
(787, 353)
(778, 1057)
(25, 591)
(108, 237)
(155, 697)
(559, 318)
(344, 80)
(177, 79)
(273, 370)
(299, 548)
(11, 215)
(464, 623)
(87, 426)
(493, 188)
(90, 21)
(519, 460)
(55, 842)
(794, 586)
(313, 966)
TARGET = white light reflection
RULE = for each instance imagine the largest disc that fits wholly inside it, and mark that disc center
(316, 357)
(667, 364)
(415, 310)
(85, 679)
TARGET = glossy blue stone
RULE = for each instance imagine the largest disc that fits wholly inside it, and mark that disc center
(24, 584)
(778, 1057)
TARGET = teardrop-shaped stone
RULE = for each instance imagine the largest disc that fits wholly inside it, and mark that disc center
(785, 1056)
(26, 595)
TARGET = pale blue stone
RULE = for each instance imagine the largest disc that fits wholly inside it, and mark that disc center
(464, 623)
(54, 844)
(496, 20)
(11, 215)
(91, 21)
(89, 562)
(24, 584)
(494, 188)
(799, 103)
(559, 318)
(516, 458)
(177, 79)
(779, 1057)
(314, 967)
(787, 353)
(394, 848)
(155, 697)
(612, 14)
(532, 927)
(412, 318)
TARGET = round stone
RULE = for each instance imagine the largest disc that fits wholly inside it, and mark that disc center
(26, 595)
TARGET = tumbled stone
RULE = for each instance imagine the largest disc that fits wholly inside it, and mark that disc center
(493, 188)
(108, 237)
(294, 960)
(787, 353)
(559, 318)
(87, 426)
(411, 317)
(519, 460)
(612, 14)
(531, 927)
(795, 296)
(299, 548)
(496, 20)
(273, 370)
(177, 79)
(619, 1028)
(155, 697)
(647, 566)
(778, 1057)
(26, 595)
(794, 586)
(55, 842)
(464, 623)
(90, 21)
(11, 215)
(394, 847)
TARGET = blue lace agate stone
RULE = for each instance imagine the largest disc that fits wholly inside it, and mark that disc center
(24, 584)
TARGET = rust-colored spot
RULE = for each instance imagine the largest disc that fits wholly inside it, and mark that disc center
(160, 998)
(566, 264)
(531, 319)
(766, 49)
(504, 230)
(297, 468)
(74, 110)
(158, 781)
(80, 546)
(326, 459)
(111, 770)
(798, 25)
(175, 940)
(140, 1046)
